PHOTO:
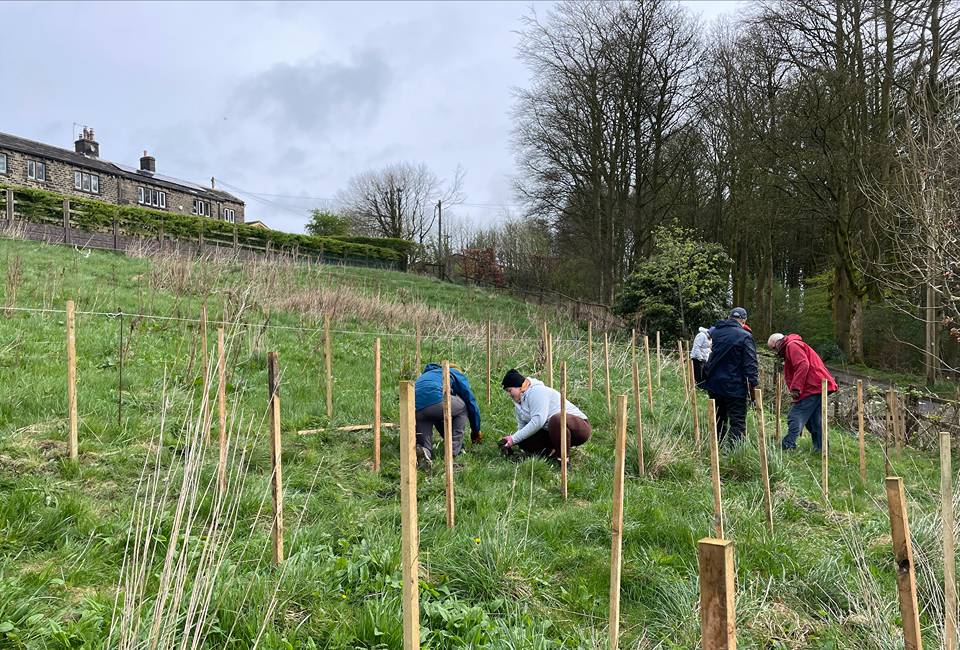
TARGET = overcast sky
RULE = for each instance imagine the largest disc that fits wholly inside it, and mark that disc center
(281, 102)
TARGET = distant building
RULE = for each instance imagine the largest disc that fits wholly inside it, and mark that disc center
(82, 173)
(258, 224)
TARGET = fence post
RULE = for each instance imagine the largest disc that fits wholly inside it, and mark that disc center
(10, 200)
(949, 546)
(222, 406)
(448, 445)
(417, 363)
(616, 557)
(718, 620)
(715, 470)
(489, 360)
(376, 405)
(903, 554)
(410, 534)
(66, 221)
(694, 404)
(778, 377)
(659, 359)
(606, 368)
(860, 432)
(638, 408)
(564, 443)
(590, 355)
(328, 363)
(72, 441)
(764, 469)
(273, 384)
(646, 355)
(824, 443)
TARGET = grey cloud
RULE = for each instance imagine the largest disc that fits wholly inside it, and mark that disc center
(309, 97)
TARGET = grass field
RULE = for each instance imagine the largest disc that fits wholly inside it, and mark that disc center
(522, 568)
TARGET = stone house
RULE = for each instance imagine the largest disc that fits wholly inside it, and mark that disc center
(82, 173)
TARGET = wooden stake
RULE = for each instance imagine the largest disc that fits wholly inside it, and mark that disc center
(606, 368)
(949, 546)
(718, 620)
(684, 375)
(764, 469)
(489, 360)
(418, 363)
(590, 356)
(646, 354)
(550, 359)
(616, 559)
(778, 377)
(860, 432)
(222, 409)
(410, 533)
(203, 342)
(564, 443)
(824, 443)
(376, 404)
(73, 443)
(899, 426)
(888, 433)
(715, 470)
(903, 554)
(638, 408)
(448, 444)
(328, 363)
(273, 385)
(694, 408)
(659, 359)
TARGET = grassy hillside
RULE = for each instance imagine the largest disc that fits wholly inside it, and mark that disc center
(522, 569)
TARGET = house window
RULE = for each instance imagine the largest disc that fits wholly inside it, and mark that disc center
(229, 215)
(36, 171)
(201, 208)
(86, 182)
(148, 196)
(3, 163)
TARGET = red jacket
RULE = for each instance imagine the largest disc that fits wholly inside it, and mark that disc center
(803, 368)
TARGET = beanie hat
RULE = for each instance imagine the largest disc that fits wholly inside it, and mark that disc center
(513, 379)
(774, 340)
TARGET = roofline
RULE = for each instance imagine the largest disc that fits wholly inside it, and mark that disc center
(77, 159)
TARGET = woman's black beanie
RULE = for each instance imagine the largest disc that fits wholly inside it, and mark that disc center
(513, 379)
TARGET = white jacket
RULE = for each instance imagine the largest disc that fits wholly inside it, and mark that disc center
(702, 345)
(538, 404)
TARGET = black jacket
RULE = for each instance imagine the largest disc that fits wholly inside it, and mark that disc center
(733, 361)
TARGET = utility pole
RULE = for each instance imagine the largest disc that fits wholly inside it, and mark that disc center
(440, 238)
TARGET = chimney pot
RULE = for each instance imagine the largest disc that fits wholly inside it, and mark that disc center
(86, 145)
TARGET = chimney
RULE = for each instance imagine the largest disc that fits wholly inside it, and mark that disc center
(86, 145)
(148, 164)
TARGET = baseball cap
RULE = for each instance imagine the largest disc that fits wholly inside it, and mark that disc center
(738, 312)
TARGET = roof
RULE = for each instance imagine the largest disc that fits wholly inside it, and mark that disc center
(42, 150)
(256, 223)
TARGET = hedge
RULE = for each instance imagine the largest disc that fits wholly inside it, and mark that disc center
(40, 205)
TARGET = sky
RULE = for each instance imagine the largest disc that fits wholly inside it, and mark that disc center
(280, 102)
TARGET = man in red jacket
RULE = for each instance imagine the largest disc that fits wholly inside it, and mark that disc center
(803, 371)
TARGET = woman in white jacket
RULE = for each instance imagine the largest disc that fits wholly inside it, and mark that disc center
(537, 409)
(700, 353)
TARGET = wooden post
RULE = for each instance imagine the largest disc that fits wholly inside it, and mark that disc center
(328, 362)
(694, 407)
(718, 620)
(590, 356)
(778, 377)
(683, 371)
(550, 358)
(410, 533)
(204, 357)
(9, 205)
(66, 221)
(899, 426)
(646, 354)
(273, 383)
(903, 554)
(715, 470)
(764, 469)
(616, 559)
(949, 546)
(638, 412)
(860, 432)
(418, 363)
(72, 440)
(376, 405)
(564, 443)
(824, 444)
(448, 444)
(489, 360)
(659, 359)
(888, 433)
(606, 368)
(222, 409)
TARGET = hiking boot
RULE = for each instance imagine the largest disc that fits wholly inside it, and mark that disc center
(424, 460)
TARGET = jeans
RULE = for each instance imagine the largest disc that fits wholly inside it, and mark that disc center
(734, 410)
(431, 417)
(805, 412)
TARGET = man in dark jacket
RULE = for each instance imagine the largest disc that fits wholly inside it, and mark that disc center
(731, 368)
(804, 372)
(429, 404)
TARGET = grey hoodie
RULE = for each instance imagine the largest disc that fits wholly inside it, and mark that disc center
(537, 405)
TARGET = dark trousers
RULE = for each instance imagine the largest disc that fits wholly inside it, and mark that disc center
(731, 417)
(698, 372)
(431, 417)
(804, 413)
(546, 441)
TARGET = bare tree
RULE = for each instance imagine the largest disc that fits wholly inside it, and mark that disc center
(399, 200)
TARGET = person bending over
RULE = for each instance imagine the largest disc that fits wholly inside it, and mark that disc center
(537, 409)
(429, 405)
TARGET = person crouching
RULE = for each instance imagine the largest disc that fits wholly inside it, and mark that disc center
(429, 411)
(537, 409)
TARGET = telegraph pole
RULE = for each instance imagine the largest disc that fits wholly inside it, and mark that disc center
(440, 238)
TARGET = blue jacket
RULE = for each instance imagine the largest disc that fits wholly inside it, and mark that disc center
(429, 391)
(733, 360)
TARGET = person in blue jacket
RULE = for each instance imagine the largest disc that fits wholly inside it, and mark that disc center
(429, 407)
(731, 374)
